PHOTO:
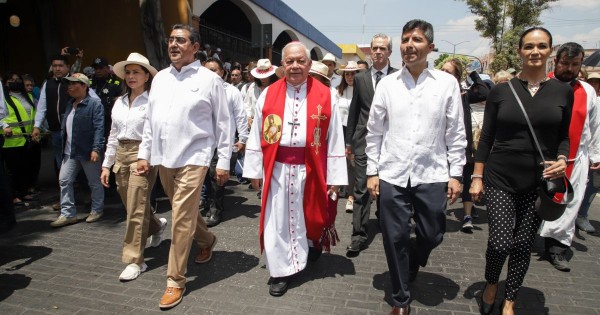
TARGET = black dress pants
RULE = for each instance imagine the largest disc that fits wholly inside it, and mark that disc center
(429, 202)
(362, 200)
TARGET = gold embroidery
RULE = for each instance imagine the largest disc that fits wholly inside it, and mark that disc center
(317, 132)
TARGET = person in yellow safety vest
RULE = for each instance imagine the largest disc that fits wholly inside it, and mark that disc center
(21, 155)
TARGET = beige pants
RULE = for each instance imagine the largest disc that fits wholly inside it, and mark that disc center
(183, 186)
(135, 193)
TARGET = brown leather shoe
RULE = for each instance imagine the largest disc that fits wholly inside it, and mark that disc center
(396, 310)
(171, 297)
(205, 254)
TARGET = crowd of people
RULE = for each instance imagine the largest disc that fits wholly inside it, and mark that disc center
(306, 133)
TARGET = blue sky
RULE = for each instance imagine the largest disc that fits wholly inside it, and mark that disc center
(342, 22)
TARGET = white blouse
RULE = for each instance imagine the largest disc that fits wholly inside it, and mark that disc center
(127, 124)
(343, 102)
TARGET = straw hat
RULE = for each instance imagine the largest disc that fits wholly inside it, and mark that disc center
(594, 75)
(351, 66)
(264, 69)
(78, 77)
(319, 68)
(329, 57)
(135, 59)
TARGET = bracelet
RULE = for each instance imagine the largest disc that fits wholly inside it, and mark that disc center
(476, 176)
(561, 157)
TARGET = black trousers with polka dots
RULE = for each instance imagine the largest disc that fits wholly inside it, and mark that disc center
(513, 224)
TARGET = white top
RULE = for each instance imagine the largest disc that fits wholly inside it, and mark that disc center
(384, 72)
(416, 131)
(252, 94)
(69, 130)
(237, 112)
(42, 105)
(296, 137)
(187, 118)
(127, 124)
(335, 80)
(343, 102)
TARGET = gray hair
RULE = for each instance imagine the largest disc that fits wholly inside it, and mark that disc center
(384, 36)
(502, 76)
(292, 44)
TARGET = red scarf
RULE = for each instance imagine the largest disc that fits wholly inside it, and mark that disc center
(315, 199)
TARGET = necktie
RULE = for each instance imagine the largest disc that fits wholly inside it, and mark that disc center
(378, 75)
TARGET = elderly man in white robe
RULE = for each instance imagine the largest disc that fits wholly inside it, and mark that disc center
(296, 147)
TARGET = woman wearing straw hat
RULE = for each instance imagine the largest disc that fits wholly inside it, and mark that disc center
(318, 70)
(264, 75)
(128, 116)
(342, 96)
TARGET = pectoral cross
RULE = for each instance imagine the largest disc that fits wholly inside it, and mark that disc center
(292, 125)
(317, 132)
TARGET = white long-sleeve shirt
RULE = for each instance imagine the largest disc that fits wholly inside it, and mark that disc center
(238, 113)
(416, 130)
(187, 118)
(127, 124)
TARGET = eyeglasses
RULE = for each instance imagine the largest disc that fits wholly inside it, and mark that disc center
(178, 39)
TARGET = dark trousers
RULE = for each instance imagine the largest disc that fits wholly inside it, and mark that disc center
(429, 202)
(362, 200)
(23, 167)
(215, 194)
(7, 211)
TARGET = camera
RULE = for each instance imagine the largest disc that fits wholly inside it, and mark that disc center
(72, 51)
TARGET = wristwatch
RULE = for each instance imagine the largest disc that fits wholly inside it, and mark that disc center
(458, 178)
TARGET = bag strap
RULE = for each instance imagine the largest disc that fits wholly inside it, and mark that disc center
(537, 144)
(12, 104)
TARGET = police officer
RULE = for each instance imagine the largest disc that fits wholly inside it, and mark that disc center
(107, 86)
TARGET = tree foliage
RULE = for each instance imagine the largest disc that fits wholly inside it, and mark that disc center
(502, 21)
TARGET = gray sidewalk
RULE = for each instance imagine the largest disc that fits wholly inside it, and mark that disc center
(75, 269)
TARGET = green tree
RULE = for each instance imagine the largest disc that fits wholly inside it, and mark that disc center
(502, 21)
(437, 63)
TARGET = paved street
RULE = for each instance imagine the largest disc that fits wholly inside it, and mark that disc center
(75, 269)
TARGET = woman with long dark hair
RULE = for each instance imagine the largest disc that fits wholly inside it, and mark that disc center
(511, 172)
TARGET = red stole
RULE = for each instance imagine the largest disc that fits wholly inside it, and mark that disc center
(578, 116)
(315, 199)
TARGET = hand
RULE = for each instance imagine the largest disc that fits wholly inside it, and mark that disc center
(79, 54)
(64, 51)
(256, 183)
(554, 169)
(476, 189)
(35, 134)
(240, 147)
(333, 189)
(8, 132)
(454, 189)
(373, 186)
(250, 120)
(222, 177)
(142, 168)
(348, 151)
(595, 166)
(94, 156)
(104, 177)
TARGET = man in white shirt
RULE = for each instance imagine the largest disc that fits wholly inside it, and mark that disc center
(416, 151)
(331, 63)
(296, 146)
(216, 193)
(7, 214)
(187, 119)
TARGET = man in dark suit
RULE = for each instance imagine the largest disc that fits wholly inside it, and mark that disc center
(364, 89)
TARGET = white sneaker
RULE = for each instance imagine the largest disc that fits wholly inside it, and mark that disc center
(157, 238)
(132, 271)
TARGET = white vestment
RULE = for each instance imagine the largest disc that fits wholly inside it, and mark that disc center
(285, 242)
(563, 229)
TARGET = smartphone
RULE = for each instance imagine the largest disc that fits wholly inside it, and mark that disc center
(72, 51)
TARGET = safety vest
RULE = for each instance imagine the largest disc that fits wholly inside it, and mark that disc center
(18, 139)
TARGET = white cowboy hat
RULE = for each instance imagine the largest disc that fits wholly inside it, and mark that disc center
(351, 66)
(264, 69)
(319, 68)
(329, 57)
(135, 59)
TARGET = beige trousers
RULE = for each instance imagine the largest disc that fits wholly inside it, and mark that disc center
(183, 186)
(135, 193)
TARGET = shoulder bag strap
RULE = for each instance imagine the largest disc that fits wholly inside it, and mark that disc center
(537, 144)
(10, 102)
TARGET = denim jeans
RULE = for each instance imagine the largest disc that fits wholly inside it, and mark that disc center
(57, 148)
(588, 198)
(68, 174)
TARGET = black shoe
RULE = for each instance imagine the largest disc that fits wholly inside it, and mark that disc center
(278, 286)
(314, 253)
(486, 309)
(413, 270)
(213, 220)
(559, 261)
(356, 246)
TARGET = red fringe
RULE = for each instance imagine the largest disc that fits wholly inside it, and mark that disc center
(329, 238)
